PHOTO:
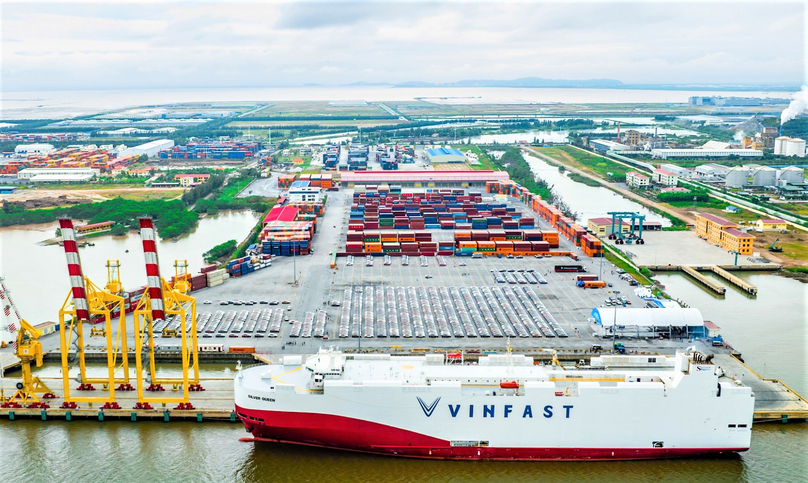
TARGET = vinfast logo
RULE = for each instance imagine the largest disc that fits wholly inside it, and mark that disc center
(428, 408)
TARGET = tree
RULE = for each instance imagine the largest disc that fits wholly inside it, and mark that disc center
(143, 158)
(119, 230)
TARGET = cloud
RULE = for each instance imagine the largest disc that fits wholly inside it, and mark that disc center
(189, 44)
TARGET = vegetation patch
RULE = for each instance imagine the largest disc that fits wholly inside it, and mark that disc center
(220, 251)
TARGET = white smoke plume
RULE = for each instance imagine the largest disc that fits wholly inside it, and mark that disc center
(797, 106)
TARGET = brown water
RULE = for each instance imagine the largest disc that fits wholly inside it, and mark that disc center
(37, 277)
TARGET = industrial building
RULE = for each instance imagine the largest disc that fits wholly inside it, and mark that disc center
(58, 175)
(603, 145)
(424, 179)
(637, 180)
(786, 146)
(792, 174)
(737, 177)
(677, 170)
(445, 155)
(704, 153)
(150, 149)
(664, 177)
(764, 176)
(724, 233)
(39, 149)
(711, 170)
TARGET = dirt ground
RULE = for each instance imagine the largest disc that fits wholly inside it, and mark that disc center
(57, 197)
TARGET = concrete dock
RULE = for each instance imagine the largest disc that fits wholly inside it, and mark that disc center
(774, 400)
(722, 271)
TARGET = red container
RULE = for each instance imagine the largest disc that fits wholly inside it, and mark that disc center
(208, 268)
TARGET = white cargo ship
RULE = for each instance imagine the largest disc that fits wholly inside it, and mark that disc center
(503, 408)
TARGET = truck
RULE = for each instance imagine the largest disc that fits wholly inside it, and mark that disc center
(717, 341)
(619, 348)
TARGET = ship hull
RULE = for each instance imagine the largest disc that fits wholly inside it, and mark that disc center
(345, 433)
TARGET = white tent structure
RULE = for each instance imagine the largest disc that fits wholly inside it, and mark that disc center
(647, 322)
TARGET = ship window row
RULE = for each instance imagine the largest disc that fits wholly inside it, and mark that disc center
(737, 426)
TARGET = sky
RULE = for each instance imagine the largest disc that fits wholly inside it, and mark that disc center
(109, 45)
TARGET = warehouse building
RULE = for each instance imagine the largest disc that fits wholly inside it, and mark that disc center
(677, 170)
(705, 153)
(150, 149)
(445, 155)
(603, 145)
(41, 149)
(58, 175)
(424, 179)
(603, 226)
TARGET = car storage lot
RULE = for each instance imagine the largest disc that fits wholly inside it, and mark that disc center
(318, 285)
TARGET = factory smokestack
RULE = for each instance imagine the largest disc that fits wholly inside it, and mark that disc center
(797, 106)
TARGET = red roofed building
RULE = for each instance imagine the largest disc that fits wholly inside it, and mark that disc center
(773, 224)
(724, 233)
(282, 213)
(637, 180)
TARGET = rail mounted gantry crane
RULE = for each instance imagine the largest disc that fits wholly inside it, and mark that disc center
(161, 300)
(86, 304)
(29, 350)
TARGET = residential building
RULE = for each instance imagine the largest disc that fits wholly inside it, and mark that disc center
(665, 178)
(637, 180)
(724, 233)
(771, 224)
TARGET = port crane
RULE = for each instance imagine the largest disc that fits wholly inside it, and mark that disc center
(29, 350)
(87, 303)
(162, 300)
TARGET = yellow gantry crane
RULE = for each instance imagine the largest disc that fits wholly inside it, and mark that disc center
(85, 304)
(29, 350)
(162, 300)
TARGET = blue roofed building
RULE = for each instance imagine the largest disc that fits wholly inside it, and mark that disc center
(445, 155)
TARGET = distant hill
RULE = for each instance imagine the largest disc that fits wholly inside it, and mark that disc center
(523, 82)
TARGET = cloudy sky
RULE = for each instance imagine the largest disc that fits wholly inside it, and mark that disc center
(64, 45)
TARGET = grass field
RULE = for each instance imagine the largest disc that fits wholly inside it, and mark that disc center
(318, 122)
(583, 179)
(484, 164)
(150, 195)
(316, 108)
(587, 162)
